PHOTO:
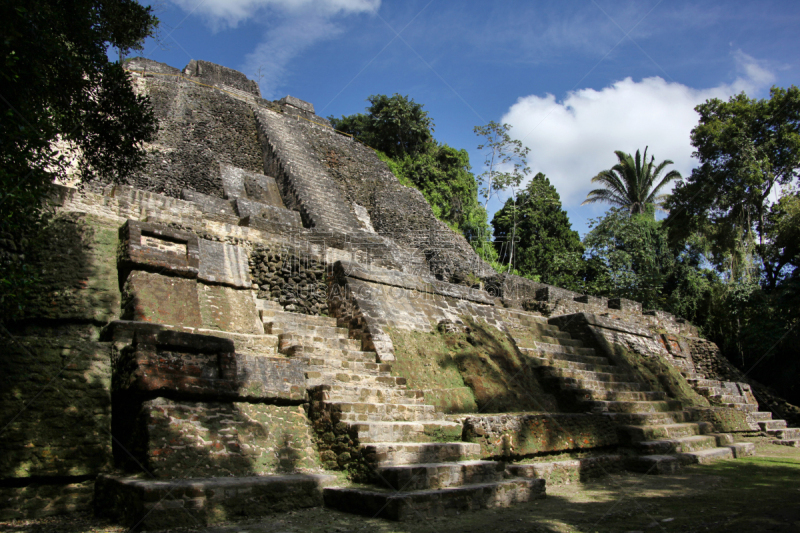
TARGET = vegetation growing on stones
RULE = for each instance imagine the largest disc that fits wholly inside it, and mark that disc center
(66, 108)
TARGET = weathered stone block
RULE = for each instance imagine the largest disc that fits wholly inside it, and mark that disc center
(150, 297)
(210, 205)
(228, 309)
(249, 211)
(525, 434)
(214, 74)
(55, 401)
(296, 102)
(625, 305)
(149, 359)
(223, 263)
(158, 248)
(209, 439)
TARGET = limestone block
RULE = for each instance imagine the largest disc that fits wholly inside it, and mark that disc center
(228, 309)
(625, 305)
(150, 297)
(151, 359)
(209, 439)
(523, 434)
(156, 247)
(218, 75)
(224, 264)
(250, 212)
(296, 102)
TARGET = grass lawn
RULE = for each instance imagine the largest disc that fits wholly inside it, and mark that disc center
(756, 494)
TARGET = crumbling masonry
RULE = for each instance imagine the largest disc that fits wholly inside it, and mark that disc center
(215, 337)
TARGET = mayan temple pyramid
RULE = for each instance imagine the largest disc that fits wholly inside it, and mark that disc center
(266, 319)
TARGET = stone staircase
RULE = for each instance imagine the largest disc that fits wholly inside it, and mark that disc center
(417, 462)
(664, 435)
(738, 396)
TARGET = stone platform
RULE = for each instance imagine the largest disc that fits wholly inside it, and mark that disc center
(143, 504)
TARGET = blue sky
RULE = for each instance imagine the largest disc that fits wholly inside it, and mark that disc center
(576, 80)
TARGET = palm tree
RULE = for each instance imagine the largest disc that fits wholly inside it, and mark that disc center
(629, 183)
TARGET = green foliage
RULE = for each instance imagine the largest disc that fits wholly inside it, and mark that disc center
(631, 183)
(629, 256)
(394, 125)
(548, 249)
(58, 85)
(746, 147)
(402, 133)
(505, 160)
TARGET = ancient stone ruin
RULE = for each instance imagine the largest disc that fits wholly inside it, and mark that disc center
(266, 305)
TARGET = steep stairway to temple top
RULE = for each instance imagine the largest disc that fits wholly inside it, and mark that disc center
(654, 425)
(415, 458)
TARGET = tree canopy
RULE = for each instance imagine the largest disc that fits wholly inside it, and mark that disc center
(402, 131)
(547, 249)
(394, 125)
(58, 86)
(746, 148)
(634, 183)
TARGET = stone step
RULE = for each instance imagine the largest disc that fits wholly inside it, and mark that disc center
(344, 365)
(425, 504)
(650, 419)
(315, 378)
(384, 412)
(439, 475)
(760, 415)
(587, 359)
(581, 384)
(569, 471)
(785, 434)
(633, 406)
(557, 348)
(587, 375)
(787, 442)
(745, 407)
(337, 353)
(545, 338)
(287, 340)
(620, 396)
(276, 328)
(427, 431)
(767, 425)
(729, 398)
(410, 453)
(705, 383)
(286, 317)
(661, 432)
(680, 445)
(352, 393)
(706, 456)
(743, 449)
(172, 503)
(654, 464)
(571, 365)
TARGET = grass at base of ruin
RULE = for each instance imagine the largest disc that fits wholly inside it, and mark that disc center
(755, 494)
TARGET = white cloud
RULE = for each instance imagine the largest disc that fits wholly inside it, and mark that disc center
(574, 139)
(290, 27)
(228, 13)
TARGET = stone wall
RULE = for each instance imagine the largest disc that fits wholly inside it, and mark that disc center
(296, 282)
(55, 411)
(198, 129)
(519, 435)
(208, 439)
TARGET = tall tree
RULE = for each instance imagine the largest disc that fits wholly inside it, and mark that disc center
(58, 85)
(548, 248)
(746, 148)
(395, 125)
(633, 183)
(505, 168)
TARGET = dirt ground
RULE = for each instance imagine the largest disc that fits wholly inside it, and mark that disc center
(756, 494)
